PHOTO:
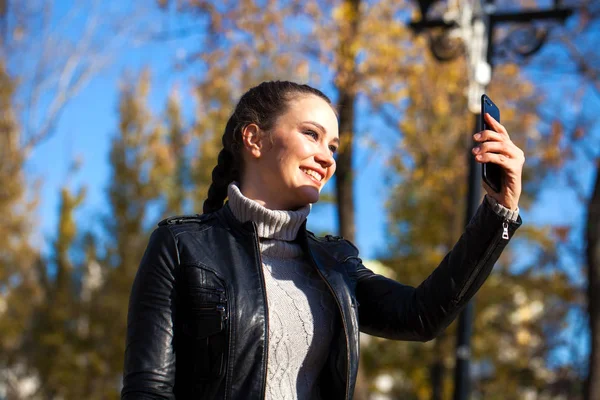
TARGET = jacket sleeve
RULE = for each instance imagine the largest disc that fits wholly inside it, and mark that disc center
(395, 311)
(149, 371)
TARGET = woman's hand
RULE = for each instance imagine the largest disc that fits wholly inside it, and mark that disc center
(496, 147)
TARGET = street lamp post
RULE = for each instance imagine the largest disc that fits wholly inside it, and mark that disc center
(467, 28)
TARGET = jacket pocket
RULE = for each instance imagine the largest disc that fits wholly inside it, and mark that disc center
(206, 328)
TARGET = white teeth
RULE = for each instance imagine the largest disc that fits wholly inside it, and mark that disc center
(312, 173)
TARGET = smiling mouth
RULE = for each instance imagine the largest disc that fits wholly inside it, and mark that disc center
(314, 175)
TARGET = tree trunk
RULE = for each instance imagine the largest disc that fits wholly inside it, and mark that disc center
(592, 387)
(437, 379)
(344, 173)
(346, 87)
(437, 369)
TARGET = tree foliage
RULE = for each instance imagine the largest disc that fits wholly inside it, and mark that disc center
(19, 260)
(426, 217)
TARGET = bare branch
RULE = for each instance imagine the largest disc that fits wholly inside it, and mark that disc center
(55, 64)
(592, 74)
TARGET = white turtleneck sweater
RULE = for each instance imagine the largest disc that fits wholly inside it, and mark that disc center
(301, 310)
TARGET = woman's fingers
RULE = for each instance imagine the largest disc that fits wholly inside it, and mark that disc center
(494, 145)
(500, 159)
(495, 125)
(488, 135)
(498, 152)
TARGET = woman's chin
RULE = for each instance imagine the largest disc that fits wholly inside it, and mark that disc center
(307, 194)
(302, 196)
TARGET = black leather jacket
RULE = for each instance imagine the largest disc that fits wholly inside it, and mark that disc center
(197, 324)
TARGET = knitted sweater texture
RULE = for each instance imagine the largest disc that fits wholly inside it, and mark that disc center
(301, 310)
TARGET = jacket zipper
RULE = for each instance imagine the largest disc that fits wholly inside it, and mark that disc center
(217, 307)
(207, 289)
(505, 229)
(218, 291)
(264, 288)
(504, 236)
(337, 301)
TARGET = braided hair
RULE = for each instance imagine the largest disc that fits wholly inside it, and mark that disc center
(261, 105)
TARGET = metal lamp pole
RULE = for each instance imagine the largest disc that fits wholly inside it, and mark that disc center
(467, 27)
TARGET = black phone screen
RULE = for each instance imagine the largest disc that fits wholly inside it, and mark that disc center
(491, 173)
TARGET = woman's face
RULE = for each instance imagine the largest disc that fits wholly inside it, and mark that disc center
(296, 159)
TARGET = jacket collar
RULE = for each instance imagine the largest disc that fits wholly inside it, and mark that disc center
(329, 250)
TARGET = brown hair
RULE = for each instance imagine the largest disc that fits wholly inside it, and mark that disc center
(261, 105)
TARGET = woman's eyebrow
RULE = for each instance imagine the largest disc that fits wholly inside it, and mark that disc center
(322, 129)
(319, 126)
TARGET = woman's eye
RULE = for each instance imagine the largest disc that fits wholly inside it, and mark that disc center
(312, 134)
(333, 149)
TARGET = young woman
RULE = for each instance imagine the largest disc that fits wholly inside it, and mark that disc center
(242, 302)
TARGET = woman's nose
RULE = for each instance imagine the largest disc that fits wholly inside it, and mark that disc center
(325, 158)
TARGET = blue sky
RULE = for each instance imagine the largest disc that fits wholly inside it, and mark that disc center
(90, 119)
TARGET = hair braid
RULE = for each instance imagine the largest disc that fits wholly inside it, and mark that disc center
(224, 172)
(217, 192)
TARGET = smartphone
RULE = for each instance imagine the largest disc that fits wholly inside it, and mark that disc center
(491, 173)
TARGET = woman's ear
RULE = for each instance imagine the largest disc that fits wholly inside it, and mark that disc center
(252, 137)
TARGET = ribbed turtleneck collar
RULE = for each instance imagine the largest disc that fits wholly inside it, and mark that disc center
(271, 224)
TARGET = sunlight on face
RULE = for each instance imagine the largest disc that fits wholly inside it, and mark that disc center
(297, 157)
